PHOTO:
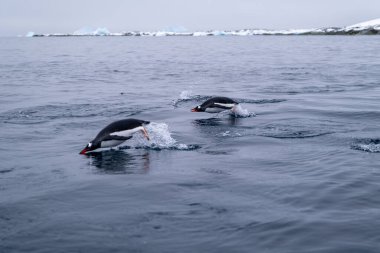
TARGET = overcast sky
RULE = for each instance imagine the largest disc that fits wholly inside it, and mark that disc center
(17, 17)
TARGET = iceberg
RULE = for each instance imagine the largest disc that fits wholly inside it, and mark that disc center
(88, 31)
(30, 34)
(84, 31)
(197, 34)
(160, 34)
(101, 32)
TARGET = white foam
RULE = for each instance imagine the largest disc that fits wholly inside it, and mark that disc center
(371, 147)
(230, 134)
(159, 135)
(186, 94)
(239, 111)
(226, 133)
(160, 138)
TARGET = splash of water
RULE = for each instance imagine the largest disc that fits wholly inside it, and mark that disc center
(160, 138)
(367, 145)
(230, 134)
(372, 148)
(186, 95)
(160, 135)
(241, 112)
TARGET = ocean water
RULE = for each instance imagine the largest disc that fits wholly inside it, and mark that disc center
(298, 170)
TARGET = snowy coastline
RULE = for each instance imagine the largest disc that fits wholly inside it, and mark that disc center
(371, 27)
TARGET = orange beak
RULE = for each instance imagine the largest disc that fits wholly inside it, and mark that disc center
(194, 110)
(84, 151)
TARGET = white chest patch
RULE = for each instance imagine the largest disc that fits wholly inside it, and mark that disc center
(230, 106)
(214, 110)
(110, 143)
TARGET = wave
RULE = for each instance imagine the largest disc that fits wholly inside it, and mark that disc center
(6, 170)
(298, 129)
(321, 88)
(368, 145)
(45, 113)
(296, 134)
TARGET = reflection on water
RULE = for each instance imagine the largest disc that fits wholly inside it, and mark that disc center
(120, 162)
(218, 128)
(228, 121)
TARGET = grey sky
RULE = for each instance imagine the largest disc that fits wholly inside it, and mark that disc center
(66, 16)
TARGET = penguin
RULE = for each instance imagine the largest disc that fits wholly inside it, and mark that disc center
(215, 105)
(116, 133)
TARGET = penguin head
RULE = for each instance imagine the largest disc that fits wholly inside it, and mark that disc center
(198, 109)
(89, 147)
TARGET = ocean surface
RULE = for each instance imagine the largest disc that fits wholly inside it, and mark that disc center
(297, 171)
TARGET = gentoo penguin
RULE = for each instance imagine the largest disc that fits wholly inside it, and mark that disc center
(215, 105)
(116, 133)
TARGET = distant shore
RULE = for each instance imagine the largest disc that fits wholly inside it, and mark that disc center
(371, 27)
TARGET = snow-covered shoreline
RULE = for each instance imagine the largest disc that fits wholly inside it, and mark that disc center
(371, 27)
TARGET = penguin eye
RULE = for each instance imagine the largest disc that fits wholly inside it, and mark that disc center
(89, 145)
(199, 107)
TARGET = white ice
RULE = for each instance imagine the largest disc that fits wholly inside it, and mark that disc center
(367, 24)
(181, 31)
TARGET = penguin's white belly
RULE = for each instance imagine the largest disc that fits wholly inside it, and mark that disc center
(230, 106)
(110, 143)
(214, 110)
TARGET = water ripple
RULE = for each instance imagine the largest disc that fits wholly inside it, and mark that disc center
(289, 131)
(41, 114)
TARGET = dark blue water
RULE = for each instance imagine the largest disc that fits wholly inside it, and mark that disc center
(301, 176)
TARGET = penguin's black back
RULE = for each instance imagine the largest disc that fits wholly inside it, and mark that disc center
(121, 125)
(222, 100)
